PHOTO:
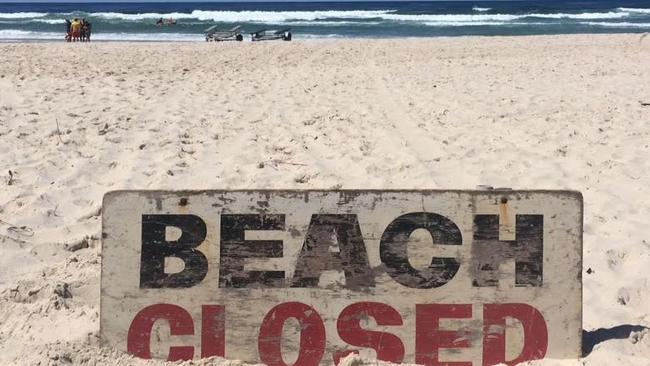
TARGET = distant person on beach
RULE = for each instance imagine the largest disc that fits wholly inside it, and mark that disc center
(82, 30)
(68, 35)
(88, 28)
(170, 21)
(75, 28)
(85, 30)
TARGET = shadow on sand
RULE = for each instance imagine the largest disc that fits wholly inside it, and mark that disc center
(591, 338)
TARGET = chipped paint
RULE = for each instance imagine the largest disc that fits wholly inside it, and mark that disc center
(335, 259)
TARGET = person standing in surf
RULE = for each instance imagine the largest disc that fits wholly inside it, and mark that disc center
(68, 35)
(75, 28)
(88, 27)
(85, 30)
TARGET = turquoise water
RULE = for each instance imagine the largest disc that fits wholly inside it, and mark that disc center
(136, 21)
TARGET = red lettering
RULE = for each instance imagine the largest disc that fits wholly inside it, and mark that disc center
(180, 323)
(388, 346)
(213, 331)
(494, 338)
(312, 335)
(429, 339)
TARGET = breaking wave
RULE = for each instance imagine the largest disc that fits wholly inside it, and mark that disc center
(478, 24)
(386, 19)
(48, 21)
(450, 17)
(21, 15)
(608, 15)
(250, 16)
(620, 25)
(287, 16)
(635, 10)
(279, 17)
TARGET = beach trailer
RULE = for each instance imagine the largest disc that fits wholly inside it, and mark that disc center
(213, 34)
(271, 34)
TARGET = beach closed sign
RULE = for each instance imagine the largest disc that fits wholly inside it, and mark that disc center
(305, 278)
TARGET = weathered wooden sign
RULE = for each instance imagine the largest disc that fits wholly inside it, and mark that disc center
(306, 277)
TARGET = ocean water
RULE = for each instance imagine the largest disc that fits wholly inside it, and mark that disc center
(136, 21)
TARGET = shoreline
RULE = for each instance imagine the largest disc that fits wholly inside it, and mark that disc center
(181, 22)
(337, 38)
(642, 35)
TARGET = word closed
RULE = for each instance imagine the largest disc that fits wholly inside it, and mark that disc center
(305, 278)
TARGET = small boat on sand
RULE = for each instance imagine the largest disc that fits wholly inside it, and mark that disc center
(270, 35)
(213, 34)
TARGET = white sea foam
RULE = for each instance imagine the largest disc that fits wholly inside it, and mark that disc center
(635, 10)
(608, 15)
(22, 15)
(329, 23)
(141, 16)
(287, 16)
(148, 37)
(15, 34)
(49, 21)
(475, 24)
(619, 25)
(450, 17)
(32, 20)
(462, 24)
(318, 36)
(250, 16)
(9, 34)
(335, 18)
(498, 17)
(20, 35)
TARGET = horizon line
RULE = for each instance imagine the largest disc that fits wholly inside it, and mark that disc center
(260, 1)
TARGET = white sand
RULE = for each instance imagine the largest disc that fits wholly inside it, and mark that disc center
(557, 112)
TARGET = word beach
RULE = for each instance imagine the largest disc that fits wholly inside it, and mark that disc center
(306, 277)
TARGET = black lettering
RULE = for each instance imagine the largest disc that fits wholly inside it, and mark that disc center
(394, 245)
(488, 252)
(235, 249)
(155, 248)
(316, 255)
